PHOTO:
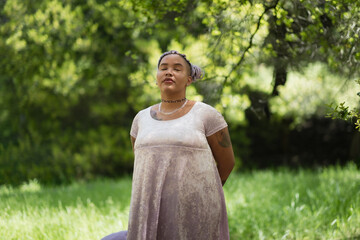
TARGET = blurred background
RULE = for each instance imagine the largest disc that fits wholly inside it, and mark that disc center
(73, 74)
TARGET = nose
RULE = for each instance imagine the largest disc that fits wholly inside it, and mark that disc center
(168, 72)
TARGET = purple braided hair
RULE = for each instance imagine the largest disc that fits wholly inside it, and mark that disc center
(195, 71)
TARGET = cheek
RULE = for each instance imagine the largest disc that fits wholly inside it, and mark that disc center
(158, 76)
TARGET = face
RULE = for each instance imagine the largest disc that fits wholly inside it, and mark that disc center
(173, 75)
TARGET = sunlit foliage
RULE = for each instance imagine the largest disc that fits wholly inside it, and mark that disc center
(74, 73)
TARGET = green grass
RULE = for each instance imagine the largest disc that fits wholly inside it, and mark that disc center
(323, 204)
(303, 205)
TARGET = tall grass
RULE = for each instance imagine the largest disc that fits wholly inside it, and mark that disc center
(286, 205)
(80, 211)
(323, 204)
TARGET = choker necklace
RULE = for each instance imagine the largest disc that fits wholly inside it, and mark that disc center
(168, 113)
(173, 101)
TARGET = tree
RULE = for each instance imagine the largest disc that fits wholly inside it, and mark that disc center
(67, 98)
(284, 35)
(342, 111)
(298, 33)
(76, 73)
(65, 86)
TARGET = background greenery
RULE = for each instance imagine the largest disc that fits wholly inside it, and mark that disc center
(73, 74)
(322, 204)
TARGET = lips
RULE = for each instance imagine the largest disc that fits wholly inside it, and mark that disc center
(168, 80)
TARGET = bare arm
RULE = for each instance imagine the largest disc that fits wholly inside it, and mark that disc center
(221, 148)
(132, 141)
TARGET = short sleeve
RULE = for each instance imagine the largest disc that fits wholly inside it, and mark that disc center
(135, 126)
(213, 121)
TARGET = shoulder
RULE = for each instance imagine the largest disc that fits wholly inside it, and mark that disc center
(140, 116)
(137, 122)
(206, 109)
(207, 112)
(142, 112)
(212, 119)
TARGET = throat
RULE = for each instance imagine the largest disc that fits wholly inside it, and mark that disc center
(173, 101)
(171, 110)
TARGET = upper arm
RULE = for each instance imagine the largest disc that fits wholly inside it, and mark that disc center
(132, 141)
(220, 140)
(221, 147)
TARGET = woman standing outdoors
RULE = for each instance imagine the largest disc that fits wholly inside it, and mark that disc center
(183, 156)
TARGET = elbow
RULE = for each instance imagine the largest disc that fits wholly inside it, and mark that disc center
(232, 165)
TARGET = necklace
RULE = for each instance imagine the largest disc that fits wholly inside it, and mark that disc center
(173, 101)
(168, 113)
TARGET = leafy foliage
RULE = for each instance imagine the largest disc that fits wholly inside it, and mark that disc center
(65, 86)
(342, 111)
(76, 73)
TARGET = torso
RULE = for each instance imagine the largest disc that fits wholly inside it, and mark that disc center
(177, 192)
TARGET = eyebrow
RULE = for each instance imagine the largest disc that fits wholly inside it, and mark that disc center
(176, 64)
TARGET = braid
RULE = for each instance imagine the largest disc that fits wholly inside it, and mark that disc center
(195, 71)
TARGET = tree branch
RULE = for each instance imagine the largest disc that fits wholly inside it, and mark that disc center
(226, 78)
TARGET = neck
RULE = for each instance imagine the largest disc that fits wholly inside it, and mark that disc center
(175, 110)
(172, 102)
(167, 96)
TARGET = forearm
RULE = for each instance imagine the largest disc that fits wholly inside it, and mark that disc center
(225, 170)
(221, 148)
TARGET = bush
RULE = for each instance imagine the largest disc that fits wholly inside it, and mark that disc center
(83, 155)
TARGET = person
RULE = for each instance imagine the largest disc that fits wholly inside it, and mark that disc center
(183, 157)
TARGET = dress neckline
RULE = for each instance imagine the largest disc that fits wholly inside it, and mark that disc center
(192, 107)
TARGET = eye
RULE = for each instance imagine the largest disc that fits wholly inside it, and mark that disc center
(163, 69)
(177, 69)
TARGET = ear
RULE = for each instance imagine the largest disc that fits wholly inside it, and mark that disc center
(189, 81)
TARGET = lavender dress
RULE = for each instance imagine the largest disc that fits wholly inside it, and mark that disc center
(176, 188)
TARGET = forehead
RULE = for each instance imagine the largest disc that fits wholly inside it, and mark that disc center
(173, 59)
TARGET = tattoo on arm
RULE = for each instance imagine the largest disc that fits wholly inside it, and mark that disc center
(154, 115)
(224, 139)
